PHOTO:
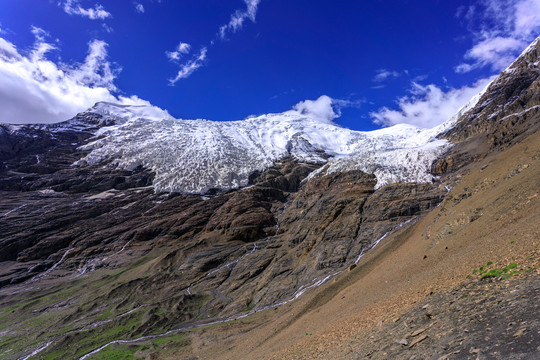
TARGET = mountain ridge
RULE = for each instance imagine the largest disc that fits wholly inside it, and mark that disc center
(97, 256)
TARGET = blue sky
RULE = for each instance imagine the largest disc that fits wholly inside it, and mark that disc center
(381, 61)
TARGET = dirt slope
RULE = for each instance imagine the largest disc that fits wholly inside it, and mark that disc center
(491, 215)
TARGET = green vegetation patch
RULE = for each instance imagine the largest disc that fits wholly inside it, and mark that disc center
(169, 340)
(487, 273)
(118, 352)
(83, 342)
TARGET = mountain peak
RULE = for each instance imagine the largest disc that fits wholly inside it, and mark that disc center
(194, 156)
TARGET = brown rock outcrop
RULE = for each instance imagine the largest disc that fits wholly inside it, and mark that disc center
(506, 113)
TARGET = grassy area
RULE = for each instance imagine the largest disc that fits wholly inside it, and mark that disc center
(55, 311)
(83, 342)
(118, 352)
(487, 272)
(61, 310)
(168, 340)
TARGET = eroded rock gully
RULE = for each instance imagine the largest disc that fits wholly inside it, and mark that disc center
(243, 248)
(188, 258)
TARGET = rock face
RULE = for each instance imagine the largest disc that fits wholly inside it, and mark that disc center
(506, 113)
(221, 255)
(287, 234)
(509, 108)
(157, 261)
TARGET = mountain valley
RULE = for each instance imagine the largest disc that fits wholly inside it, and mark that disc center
(129, 234)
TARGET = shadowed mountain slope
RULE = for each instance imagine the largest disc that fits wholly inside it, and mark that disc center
(98, 262)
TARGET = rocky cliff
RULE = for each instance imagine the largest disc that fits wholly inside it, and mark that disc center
(507, 112)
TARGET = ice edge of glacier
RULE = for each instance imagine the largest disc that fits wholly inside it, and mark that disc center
(194, 156)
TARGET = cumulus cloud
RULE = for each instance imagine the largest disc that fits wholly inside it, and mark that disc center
(320, 109)
(325, 109)
(139, 8)
(239, 16)
(188, 68)
(384, 74)
(73, 7)
(428, 106)
(96, 70)
(497, 52)
(34, 89)
(181, 49)
(501, 29)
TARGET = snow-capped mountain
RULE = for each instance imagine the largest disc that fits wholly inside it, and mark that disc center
(197, 155)
(110, 264)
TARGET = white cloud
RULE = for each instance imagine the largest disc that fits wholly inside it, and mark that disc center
(339, 104)
(501, 30)
(40, 46)
(107, 28)
(181, 49)
(320, 109)
(428, 106)
(527, 20)
(34, 89)
(73, 7)
(325, 109)
(235, 23)
(139, 8)
(96, 70)
(187, 69)
(39, 33)
(497, 52)
(8, 51)
(383, 74)
(237, 19)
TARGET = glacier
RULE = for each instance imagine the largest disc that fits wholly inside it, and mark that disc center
(196, 156)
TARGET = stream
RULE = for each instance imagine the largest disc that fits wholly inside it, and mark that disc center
(316, 283)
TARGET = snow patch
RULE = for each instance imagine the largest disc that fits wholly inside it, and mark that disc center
(195, 156)
(102, 195)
